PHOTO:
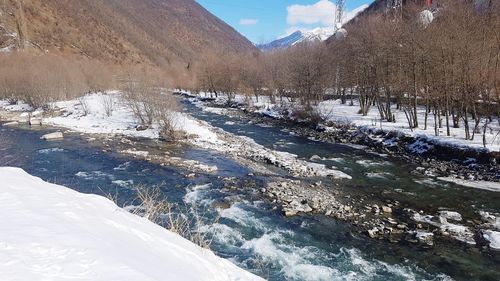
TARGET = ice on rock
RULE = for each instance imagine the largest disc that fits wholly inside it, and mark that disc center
(449, 215)
(493, 237)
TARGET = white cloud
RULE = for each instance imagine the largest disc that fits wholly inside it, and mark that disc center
(321, 13)
(248, 21)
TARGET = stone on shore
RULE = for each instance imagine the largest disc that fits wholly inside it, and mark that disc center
(11, 124)
(35, 122)
(386, 209)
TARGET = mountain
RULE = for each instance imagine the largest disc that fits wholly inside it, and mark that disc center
(317, 34)
(152, 31)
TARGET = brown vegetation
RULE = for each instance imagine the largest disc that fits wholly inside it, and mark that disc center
(451, 67)
(186, 222)
(41, 79)
(146, 93)
(159, 32)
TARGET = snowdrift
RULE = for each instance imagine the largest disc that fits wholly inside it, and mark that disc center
(50, 232)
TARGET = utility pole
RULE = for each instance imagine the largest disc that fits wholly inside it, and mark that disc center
(339, 14)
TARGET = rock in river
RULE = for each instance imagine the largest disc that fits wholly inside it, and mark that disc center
(53, 136)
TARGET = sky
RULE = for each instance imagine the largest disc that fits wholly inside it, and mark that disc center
(263, 21)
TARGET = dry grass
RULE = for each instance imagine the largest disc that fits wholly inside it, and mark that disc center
(185, 221)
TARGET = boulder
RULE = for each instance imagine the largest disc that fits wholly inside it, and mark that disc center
(386, 209)
(141, 127)
(290, 213)
(35, 122)
(53, 136)
(299, 207)
(425, 237)
(373, 233)
(315, 157)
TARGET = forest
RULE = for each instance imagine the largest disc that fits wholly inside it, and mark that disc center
(450, 65)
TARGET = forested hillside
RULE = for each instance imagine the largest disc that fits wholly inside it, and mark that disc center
(155, 31)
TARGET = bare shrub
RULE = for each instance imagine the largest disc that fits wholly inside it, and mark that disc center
(147, 97)
(309, 115)
(165, 113)
(186, 222)
(108, 104)
(84, 105)
(139, 87)
(98, 76)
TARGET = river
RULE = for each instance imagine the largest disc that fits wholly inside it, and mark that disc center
(244, 226)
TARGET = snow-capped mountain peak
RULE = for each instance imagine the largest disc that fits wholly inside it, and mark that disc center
(316, 34)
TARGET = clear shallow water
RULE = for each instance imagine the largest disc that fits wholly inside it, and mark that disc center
(248, 231)
(373, 174)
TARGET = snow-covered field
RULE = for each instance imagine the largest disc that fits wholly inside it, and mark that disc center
(333, 110)
(49, 232)
(121, 121)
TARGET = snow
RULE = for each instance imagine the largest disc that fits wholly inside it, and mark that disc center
(422, 235)
(122, 120)
(425, 18)
(486, 185)
(344, 113)
(450, 215)
(18, 106)
(335, 111)
(493, 219)
(493, 237)
(50, 232)
(458, 232)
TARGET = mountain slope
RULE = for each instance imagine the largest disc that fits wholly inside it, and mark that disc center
(155, 31)
(317, 34)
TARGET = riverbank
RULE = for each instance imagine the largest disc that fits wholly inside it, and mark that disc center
(312, 189)
(52, 232)
(441, 157)
(87, 115)
(253, 229)
(388, 220)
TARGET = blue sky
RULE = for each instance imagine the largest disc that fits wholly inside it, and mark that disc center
(265, 20)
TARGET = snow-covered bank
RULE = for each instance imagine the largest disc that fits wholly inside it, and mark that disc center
(486, 185)
(335, 111)
(88, 115)
(50, 232)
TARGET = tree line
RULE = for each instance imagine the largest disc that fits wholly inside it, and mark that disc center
(448, 64)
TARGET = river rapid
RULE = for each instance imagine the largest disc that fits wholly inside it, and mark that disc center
(246, 228)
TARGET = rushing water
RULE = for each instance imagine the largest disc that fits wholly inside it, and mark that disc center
(248, 232)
